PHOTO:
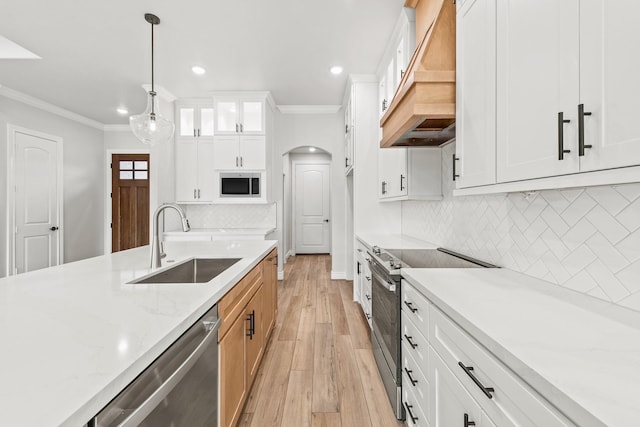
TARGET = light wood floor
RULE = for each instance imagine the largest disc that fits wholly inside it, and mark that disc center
(318, 369)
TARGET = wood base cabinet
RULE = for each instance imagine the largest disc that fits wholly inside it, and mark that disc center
(248, 313)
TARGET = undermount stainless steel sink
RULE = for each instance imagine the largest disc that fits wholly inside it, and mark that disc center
(197, 270)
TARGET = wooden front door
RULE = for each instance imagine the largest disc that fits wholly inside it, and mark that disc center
(129, 201)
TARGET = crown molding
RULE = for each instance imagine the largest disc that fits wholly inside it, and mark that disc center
(161, 91)
(50, 108)
(246, 93)
(309, 109)
(117, 128)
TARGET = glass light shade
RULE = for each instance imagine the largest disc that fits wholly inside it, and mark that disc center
(150, 127)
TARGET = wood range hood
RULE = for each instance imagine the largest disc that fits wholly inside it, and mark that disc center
(423, 109)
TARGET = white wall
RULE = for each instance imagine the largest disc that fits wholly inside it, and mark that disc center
(322, 131)
(585, 239)
(83, 190)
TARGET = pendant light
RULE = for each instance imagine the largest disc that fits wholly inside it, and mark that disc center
(150, 127)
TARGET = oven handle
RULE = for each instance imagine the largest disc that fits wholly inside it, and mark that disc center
(387, 284)
(137, 416)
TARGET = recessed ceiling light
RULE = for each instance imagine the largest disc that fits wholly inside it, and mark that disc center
(312, 149)
(336, 69)
(122, 111)
(198, 70)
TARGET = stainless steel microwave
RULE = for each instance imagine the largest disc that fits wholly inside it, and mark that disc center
(239, 185)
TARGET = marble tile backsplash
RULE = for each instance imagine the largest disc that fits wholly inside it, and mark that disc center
(231, 216)
(586, 239)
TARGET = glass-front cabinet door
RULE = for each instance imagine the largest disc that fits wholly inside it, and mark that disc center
(186, 121)
(227, 117)
(252, 117)
(206, 122)
(194, 118)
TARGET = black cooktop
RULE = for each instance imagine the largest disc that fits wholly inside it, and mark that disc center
(436, 258)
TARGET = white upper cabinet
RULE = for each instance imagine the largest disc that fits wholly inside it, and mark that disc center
(349, 155)
(475, 160)
(609, 83)
(239, 115)
(195, 180)
(409, 173)
(537, 74)
(239, 153)
(194, 118)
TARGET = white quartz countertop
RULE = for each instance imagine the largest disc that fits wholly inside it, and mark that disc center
(393, 241)
(75, 335)
(581, 353)
(225, 231)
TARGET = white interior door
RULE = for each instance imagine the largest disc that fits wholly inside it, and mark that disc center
(312, 209)
(36, 212)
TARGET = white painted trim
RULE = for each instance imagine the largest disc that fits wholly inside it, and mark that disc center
(586, 179)
(287, 255)
(117, 128)
(338, 275)
(161, 91)
(294, 165)
(107, 194)
(280, 274)
(50, 108)
(10, 209)
(309, 109)
(246, 94)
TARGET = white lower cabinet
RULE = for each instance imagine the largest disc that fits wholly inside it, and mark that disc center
(453, 380)
(364, 284)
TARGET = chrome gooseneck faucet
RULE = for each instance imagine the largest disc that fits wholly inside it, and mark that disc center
(157, 252)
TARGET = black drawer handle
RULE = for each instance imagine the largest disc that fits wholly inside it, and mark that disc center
(561, 122)
(411, 307)
(368, 297)
(486, 390)
(581, 144)
(408, 338)
(413, 418)
(468, 423)
(409, 372)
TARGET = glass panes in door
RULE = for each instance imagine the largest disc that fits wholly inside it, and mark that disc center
(187, 121)
(252, 116)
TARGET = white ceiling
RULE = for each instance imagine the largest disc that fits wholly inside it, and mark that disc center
(96, 54)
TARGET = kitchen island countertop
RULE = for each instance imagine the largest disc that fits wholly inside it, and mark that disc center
(73, 336)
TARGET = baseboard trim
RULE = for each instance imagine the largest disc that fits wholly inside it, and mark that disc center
(338, 275)
(281, 275)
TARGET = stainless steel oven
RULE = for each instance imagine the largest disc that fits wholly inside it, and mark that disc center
(180, 388)
(385, 336)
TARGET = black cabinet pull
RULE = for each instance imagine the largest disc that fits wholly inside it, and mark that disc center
(411, 307)
(413, 418)
(402, 178)
(252, 324)
(455, 175)
(561, 122)
(581, 114)
(411, 343)
(346, 162)
(368, 297)
(249, 331)
(409, 372)
(359, 271)
(368, 316)
(384, 105)
(54, 228)
(468, 423)
(486, 390)
(384, 187)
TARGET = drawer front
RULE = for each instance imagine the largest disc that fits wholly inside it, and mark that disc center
(415, 343)
(414, 378)
(414, 407)
(512, 403)
(366, 309)
(416, 306)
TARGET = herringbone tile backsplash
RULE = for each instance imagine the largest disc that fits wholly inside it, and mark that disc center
(232, 216)
(586, 239)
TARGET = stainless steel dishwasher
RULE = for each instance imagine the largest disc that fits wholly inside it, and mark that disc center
(180, 388)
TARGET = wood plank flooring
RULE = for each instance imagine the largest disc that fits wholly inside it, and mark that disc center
(318, 369)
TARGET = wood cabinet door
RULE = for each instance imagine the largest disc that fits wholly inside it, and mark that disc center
(254, 339)
(609, 84)
(253, 153)
(537, 78)
(233, 381)
(226, 152)
(186, 171)
(476, 94)
(270, 293)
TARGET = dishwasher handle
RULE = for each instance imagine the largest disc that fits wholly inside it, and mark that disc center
(139, 414)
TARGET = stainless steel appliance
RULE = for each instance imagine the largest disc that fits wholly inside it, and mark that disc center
(180, 388)
(386, 267)
(240, 185)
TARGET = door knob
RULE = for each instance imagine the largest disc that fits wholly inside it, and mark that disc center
(54, 228)
(326, 220)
